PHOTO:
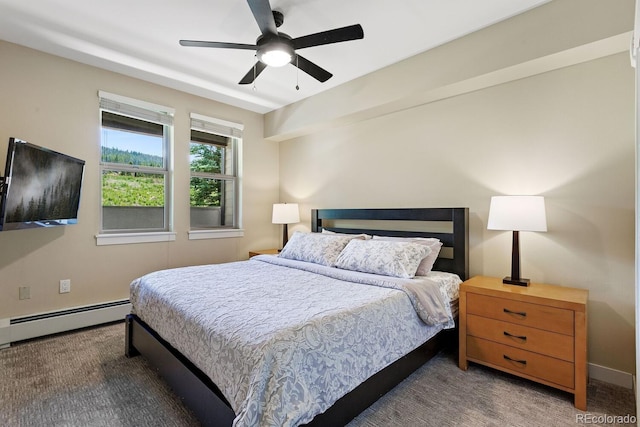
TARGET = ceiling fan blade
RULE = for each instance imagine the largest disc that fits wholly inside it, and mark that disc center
(352, 32)
(263, 14)
(310, 68)
(251, 75)
(199, 43)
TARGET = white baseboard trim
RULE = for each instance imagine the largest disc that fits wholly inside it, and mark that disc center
(38, 325)
(611, 376)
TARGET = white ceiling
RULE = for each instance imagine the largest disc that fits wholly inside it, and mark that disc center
(139, 38)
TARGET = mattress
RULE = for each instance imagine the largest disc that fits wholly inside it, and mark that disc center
(284, 340)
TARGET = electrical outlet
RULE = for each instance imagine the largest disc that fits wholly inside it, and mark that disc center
(24, 292)
(65, 286)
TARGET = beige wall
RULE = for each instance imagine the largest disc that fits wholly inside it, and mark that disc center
(53, 102)
(564, 132)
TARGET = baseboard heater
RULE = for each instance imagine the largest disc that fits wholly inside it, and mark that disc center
(53, 322)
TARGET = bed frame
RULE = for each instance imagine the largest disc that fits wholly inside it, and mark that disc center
(204, 398)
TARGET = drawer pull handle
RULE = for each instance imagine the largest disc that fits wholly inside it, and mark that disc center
(524, 362)
(522, 337)
(519, 313)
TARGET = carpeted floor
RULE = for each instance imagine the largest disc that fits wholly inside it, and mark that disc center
(84, 379)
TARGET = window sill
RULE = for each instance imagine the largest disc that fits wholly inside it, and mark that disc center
(215, 234)
(129, 238)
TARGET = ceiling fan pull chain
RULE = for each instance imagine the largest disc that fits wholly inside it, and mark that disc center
(297, 73)
(254, 77)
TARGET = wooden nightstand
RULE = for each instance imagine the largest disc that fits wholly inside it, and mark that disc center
(264, 252)
(538, 332)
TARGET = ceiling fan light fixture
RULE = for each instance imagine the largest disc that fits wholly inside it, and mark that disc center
(276, 54)
(276, 58)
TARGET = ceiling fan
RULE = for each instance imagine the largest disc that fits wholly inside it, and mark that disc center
(276, 49)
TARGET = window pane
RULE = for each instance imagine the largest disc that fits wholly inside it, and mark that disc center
(131, 141)
(132, 200)
(212, 202)
(206, 158)
(205, 192)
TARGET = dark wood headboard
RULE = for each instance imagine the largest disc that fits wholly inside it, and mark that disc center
(454, 256)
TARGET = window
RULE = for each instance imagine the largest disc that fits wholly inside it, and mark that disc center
(135, 165)
(214, 186)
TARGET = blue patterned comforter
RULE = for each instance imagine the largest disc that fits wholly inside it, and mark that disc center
(283, 339)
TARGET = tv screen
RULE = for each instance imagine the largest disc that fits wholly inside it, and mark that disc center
(41, 187)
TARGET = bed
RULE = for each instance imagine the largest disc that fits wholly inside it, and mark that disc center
(359, 374)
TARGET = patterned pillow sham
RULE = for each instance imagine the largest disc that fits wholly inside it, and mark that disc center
(427, 262)
(316, 247)
(397, 259)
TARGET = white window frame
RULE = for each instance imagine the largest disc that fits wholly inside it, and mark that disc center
(233, 130)
(155, 113)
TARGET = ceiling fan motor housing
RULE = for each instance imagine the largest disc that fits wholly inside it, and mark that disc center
(278, 17)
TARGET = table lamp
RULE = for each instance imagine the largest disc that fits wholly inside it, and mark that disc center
(517, 213)
(285, 213)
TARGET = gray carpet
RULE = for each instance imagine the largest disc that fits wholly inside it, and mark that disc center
(84, 379)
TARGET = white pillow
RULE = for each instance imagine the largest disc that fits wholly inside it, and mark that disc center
(316, 247)
(427, 263)
(397, 259)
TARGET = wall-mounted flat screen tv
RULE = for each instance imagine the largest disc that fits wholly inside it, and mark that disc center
(41, 187)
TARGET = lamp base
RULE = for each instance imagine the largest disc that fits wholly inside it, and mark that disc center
(517, 282)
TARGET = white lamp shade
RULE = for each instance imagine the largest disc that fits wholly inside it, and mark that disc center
(517, 213)
(285, 213)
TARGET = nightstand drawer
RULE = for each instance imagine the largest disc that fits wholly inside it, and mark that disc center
(534, 315)
(521, 362)
(526, 338)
